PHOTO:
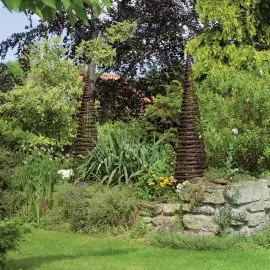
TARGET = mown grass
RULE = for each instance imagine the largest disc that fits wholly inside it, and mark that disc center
(63, 250)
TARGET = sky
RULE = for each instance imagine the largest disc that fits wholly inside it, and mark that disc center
(11, 22)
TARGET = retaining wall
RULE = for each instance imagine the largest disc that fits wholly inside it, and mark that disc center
(209, 208)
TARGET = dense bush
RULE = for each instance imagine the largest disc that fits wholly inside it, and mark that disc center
(64, 197)
(92, 208)
(10, 235)
(10, 200)
(162, 117)
(100, 209)
(239, 101)
(8, 161)
(42, 111)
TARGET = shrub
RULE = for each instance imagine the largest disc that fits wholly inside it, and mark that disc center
(98, 209)
(8, 161)
(60, 214)
(162, 117)
(42, 111)
(10, 235)
(10, 200)
(11, 203)
(232, 99)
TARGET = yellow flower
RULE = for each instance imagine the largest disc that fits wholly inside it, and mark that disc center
(166, 181)
(162, 184)
(151, 184)
(161, 178)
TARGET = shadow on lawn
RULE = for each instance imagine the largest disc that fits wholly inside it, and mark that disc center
(35, 261)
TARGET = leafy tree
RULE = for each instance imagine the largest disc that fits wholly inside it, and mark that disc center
(46, 9)
(157, 42)
(16, 70)
(42, 111)
(237, 33)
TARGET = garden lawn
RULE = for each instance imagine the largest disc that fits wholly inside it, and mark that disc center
(63, 250)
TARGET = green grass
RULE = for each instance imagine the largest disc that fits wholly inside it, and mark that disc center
(63, 250)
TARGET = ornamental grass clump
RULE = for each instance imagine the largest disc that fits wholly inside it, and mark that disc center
(123, 159)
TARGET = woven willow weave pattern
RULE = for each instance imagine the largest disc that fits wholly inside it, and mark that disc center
(190, 155)
(86, 132)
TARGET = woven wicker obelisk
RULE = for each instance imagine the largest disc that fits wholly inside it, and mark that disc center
(190, 155)
(87, 131)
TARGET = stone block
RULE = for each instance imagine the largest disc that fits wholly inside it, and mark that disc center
(247, 192)
(169, 209)
(164, 222)
(239, 217)
(214, 195)
(257, 206)
(244, 230)
(150, 210)
(204, 209)
(200, 223)
(256, 218)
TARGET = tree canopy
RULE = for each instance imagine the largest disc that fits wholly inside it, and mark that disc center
(158, 41)
(46, 9)
(236, 33)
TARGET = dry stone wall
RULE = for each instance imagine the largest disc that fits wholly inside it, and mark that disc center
(238, 208)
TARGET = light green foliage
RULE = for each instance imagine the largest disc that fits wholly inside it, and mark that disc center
(236, 99)
(120, 32)
(49, 67)
(237, 33)
(134, 127)
(10, 235)
(46, 9)
(42, 111)
(16, 70)
(100, 50)
(36, 178)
